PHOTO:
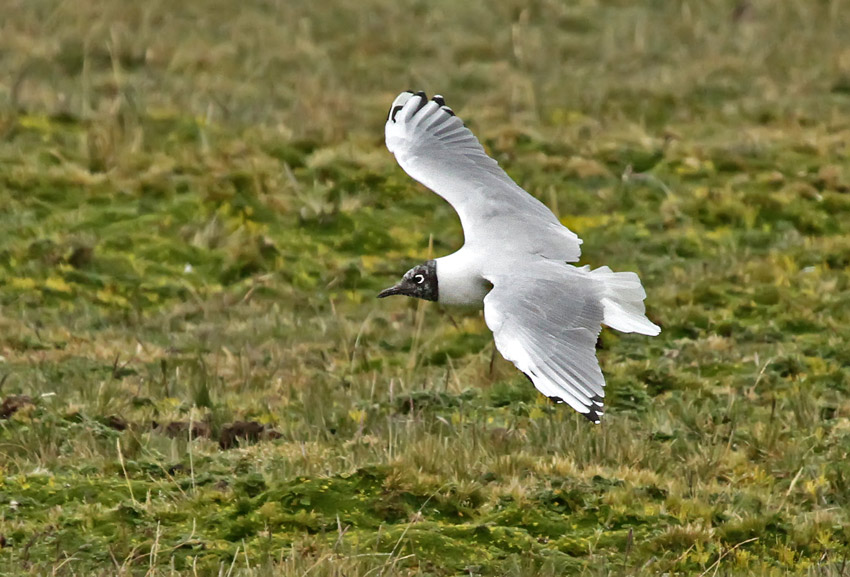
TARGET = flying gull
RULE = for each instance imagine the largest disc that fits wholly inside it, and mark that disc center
(545, 314)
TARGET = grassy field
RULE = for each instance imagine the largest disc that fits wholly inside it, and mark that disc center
(197, 211)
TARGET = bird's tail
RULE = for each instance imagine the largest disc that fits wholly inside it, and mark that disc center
(622, 302)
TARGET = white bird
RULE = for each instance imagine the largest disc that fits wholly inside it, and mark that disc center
(544, 313)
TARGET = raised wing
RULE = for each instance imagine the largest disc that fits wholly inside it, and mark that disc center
(435, 148)
(548, 329)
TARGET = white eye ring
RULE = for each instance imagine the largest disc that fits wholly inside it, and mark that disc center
(419, 279)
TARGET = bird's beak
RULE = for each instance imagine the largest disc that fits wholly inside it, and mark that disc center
(393, 290)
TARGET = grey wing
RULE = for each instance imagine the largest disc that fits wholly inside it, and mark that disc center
(435, 148)
(548, 329)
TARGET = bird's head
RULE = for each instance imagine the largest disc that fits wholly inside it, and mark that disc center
(419, 282)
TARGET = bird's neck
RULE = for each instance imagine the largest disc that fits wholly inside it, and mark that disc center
(459, 280)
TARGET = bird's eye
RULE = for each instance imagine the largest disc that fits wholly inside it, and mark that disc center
(419, 279)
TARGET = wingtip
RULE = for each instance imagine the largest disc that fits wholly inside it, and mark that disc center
(647, 327)
(402, 99)
(593, 415)
(441, 102)
(405, 96)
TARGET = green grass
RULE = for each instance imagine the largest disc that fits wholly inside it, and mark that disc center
(197, 210)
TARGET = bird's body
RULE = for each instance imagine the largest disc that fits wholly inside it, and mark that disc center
(545, 314)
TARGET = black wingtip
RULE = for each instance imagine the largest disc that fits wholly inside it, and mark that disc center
(593, 416)
(393, 111)
(595, 413)
(442, 103)
(423, 100)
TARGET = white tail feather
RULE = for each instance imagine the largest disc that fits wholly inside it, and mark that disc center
(622, 302)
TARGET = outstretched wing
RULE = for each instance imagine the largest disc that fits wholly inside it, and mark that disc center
(548, 329)
(435, 148)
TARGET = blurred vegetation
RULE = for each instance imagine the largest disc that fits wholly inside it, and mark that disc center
(197, 210)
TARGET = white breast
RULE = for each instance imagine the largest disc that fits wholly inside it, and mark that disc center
(459, 279)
